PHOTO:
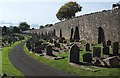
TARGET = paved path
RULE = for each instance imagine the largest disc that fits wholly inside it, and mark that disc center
(31, 67)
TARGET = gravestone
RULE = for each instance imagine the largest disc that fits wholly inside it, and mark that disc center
(76, 34)
(87, 47)
(105, 52)
(38, 49)
(71, 35)
(115, 48)
(87, 57)
(51, 40)
(54, 33)
(60, 33)
(108, 43)
(96, 51)
(49, 51)
(57, 45)
(74, 54)
(101, 36)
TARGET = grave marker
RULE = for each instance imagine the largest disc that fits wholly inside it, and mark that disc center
(74, 54)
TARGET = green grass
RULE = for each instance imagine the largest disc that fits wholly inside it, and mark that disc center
(7, 66)
(63, 64)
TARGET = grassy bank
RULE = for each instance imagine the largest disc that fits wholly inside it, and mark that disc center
(63, 64)
(7, 66)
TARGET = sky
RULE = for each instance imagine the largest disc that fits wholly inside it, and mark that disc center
(42, 12)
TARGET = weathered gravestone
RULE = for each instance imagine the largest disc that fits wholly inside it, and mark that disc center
(87, 47)
(96, 51)
(115, 48)
(74, 54)
(105, 52)
(49, 51)
(108, 43)
(76, 34)
(101, 36)
(87, 57)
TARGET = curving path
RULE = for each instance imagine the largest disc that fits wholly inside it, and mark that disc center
(31, 67)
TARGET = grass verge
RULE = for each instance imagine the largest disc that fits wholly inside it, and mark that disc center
(63, 64)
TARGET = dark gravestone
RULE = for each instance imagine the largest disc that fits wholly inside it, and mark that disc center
(60, 33)
(51, 40)
(74, 54)
(38, 49)
(101, 36)
(87, 57)
(87, 47)
(71, 35)
(108, 43)
(105, 52)
(115, 48)
(49, 51)
(76, 34)
(54, 32)
(96, 51)
(57, 45)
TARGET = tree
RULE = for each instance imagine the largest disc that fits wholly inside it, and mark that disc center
(4, 29)
(68, 10)
(32, 28)
(41, 26)
(16, 29)
(24, 26)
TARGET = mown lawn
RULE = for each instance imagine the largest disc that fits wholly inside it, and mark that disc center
(63, 64)
(7, 66)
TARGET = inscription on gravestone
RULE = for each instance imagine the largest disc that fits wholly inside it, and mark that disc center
(74, 54)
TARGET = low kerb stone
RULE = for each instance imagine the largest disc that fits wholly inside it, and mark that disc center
(52, 57)
(83, 67)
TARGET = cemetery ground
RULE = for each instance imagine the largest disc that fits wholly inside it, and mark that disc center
(83, 70)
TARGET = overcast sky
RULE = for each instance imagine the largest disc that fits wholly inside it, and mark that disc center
(43, 12)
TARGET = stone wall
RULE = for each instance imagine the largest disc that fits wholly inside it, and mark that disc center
(88, 26)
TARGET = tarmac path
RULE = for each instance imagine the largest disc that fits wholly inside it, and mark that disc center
(31, 67)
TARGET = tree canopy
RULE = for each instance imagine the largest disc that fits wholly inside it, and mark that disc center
(16, 29)
(68, 10)
(24, 26)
